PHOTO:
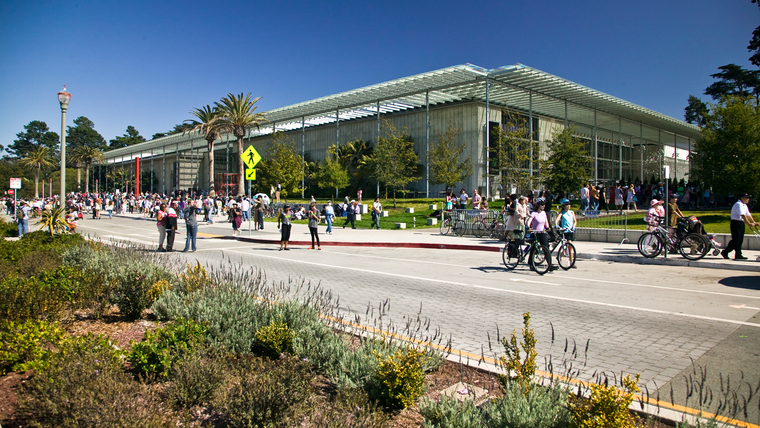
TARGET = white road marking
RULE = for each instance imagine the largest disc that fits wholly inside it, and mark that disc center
(524, 293)
(743, 307)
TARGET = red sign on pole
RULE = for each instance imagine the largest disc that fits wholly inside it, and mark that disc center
(10, 192)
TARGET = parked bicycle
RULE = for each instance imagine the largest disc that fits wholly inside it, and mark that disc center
(692, 246)
(539, 258)
(565, 250)
(449, 223)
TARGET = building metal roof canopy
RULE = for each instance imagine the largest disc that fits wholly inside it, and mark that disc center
(511, 86)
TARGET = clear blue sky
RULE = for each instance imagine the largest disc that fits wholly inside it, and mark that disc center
(148, 63)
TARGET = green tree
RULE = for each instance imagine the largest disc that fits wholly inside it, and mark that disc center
(130, 138)
(727, 155)
(85, 155)
(734, 80)
(332, 175)
(208, 126)
(37, 159)
(393, 160)
(36, 134)
(568, 165)
(238, 116)
(511, 153)
(696, 111)
(444, 159)
(83, 133)
(282, 165)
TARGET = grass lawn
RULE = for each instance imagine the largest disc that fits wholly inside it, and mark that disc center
(716, 221)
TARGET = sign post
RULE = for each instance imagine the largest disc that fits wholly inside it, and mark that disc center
(251, 157)
(15, 185)
(667, 201)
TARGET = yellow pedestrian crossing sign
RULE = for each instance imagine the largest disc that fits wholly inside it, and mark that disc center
(250, 174)
(251, 157)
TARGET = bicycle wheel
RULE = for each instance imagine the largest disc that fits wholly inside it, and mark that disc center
(566, 256)
(459, 228)
(540, 259)
(510, 255)
(693, 246)
(445, 226)
(478, 229)
(650, 245)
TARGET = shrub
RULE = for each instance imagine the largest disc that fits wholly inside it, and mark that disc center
(85, 386)
(160, 350)
(450, 413)
(400, 378)
(195, 380)
(516, 369)
(27, 346)
(348, 409)
(540, 407)
(607, 407)
(30, 298)
(275, 339)
(265, 393)
(157, 289)
(194, 279)
(8, 229)
(33, 263)
(130, 294)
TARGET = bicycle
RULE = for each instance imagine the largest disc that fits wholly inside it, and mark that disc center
(451, 224)
(539, 257)
(565, 250)
(692, 246)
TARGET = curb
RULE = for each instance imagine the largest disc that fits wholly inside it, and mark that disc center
(372, 244)
(705, 264)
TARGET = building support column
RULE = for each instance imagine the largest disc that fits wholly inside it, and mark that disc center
(377, 139)
(530, 139)
(661, 147)
(675, 157)
(620, 149)
(337, 140)
(488, 138)
(427, 144)
(596, 153)
(566, 122)
(303, 154)
(151, 171)
(178, 168)
(163, 171)
(641, 152)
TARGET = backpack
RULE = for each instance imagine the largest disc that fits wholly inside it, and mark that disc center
(19, 214)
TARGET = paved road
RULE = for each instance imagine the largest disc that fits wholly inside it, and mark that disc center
(617, 317)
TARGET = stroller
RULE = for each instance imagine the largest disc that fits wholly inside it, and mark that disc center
(696, 226)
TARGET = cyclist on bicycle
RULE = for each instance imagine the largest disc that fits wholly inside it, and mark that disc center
(538, 222)
(566, 220)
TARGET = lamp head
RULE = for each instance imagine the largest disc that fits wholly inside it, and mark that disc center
(64, 97)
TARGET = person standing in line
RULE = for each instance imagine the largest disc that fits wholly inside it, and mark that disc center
(584, 197)
(314, 225)
(329, 216)
(593, 197)
(739, 215)
(631, 199)
(161, 225)
(236, 218)
(22, 218)
(109, 209)
(463, 198)
(259, 211)
(618, 198)
(351, 214)
(191, 226)
(277, 190)
(377, 212)
(283, 224)
(245, 208)
(171, 225)
(476, 199)
(603, 199)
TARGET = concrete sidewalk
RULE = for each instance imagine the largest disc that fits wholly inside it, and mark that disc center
(432, 239)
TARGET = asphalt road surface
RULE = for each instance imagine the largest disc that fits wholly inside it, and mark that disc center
(684, 329)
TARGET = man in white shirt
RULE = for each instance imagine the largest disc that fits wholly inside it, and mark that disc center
(584, 197)
(739, 215)
(245, 205)
(463, 197)
(23, 218)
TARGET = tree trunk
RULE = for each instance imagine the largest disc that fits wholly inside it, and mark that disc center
(241, 168)
(79, 178)
(37, 182)
(211, 165)
(87, 178)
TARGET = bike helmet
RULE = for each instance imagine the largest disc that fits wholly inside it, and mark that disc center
(564, 202)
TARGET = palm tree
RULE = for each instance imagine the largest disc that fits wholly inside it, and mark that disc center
(208, 126)
(37, 159)
(87, 155)
(238, 117)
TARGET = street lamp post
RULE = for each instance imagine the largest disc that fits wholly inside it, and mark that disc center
(63, 97)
